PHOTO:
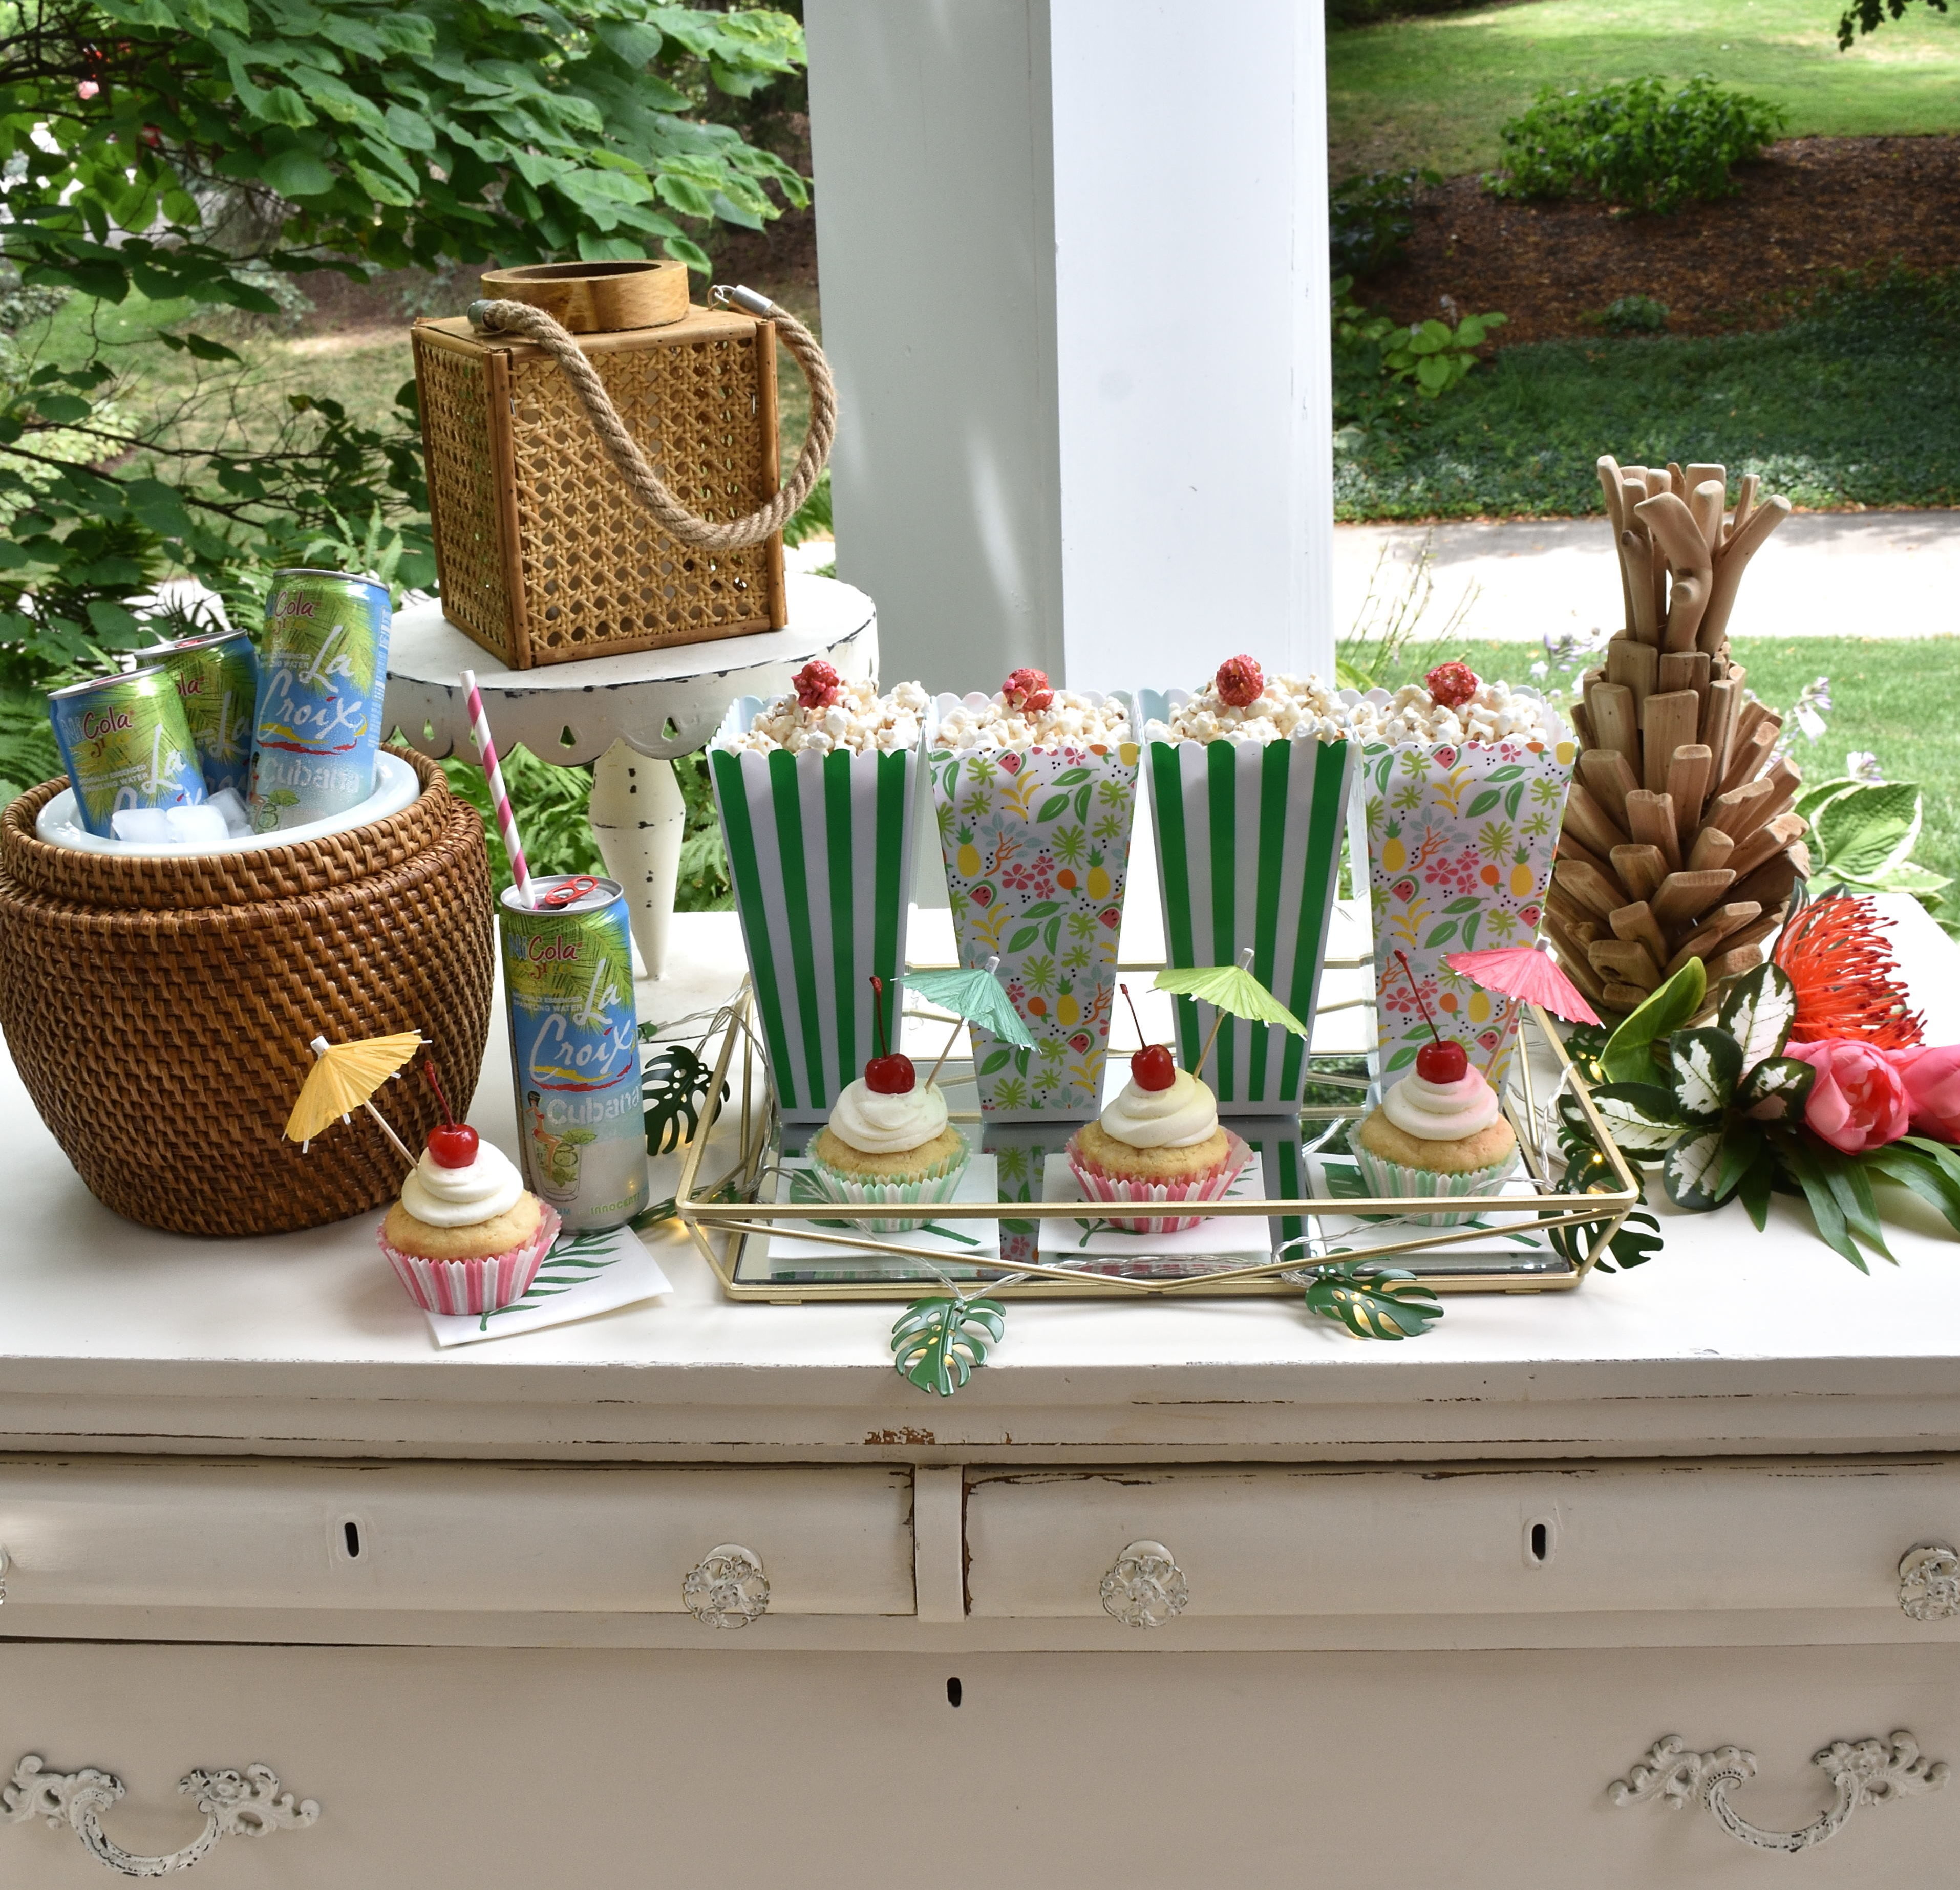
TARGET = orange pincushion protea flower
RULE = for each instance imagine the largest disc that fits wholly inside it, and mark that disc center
(1844, 974)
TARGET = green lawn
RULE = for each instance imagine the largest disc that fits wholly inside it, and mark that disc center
(1879, 690)
(1853, 405)
(1433, 91)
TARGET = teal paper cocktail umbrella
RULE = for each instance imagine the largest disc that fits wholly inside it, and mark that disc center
(975, 996)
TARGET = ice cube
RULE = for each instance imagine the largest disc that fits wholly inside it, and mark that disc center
(230, 804)
(202, 826)
(148, 825)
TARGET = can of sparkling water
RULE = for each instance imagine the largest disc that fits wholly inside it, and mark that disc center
(125, 743)
(322, 673)
(575, 1050)
(218, 678)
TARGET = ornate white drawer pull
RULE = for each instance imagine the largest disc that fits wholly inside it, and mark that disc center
(1929, 1582)
(1146, 1588)
(1863, 1772)
(727, 1588)
(246, 1804)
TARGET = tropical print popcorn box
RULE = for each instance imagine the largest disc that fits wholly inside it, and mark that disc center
(1249, 854)
(1459, 838)
(1036, 841)
(820, 855)
(1020, 1151)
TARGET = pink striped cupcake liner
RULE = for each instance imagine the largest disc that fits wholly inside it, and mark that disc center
(474, 1286)
(1098, 1184)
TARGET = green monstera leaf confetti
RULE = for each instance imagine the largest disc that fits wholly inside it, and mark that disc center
(938, 1343)
(1372, 1301)
(675, 1082)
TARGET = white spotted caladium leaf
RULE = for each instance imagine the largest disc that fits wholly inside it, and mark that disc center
(1775, 1089)
(1643, 1117)
(1693, 1170)
(1707, 1064)
(1757, 1013)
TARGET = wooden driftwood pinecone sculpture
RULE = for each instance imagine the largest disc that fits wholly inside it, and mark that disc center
(1679, 841)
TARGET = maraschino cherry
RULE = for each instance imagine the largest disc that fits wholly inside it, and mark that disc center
(1152, 1067)
(890, 1072)
(451, 1143)
(1445, 1060)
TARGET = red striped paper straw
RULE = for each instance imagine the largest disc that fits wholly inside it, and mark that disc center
(500, 799)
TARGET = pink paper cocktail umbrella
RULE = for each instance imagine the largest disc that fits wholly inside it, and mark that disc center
(1524, 972)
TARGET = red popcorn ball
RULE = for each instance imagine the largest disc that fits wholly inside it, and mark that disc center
(818, 685)
(1451, 685)
(1240, 681)
(1027, 690)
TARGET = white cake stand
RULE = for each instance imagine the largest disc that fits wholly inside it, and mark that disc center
(630, 716)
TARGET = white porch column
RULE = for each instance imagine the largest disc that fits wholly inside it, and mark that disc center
(1074, 264)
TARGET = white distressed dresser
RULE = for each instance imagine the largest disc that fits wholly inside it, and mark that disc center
(1437, 1597)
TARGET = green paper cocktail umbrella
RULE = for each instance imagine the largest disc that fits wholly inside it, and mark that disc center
(976, 996)
(1229, 989)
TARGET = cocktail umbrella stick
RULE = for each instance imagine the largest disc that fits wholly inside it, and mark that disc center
(319, 1047)
(932, 1076)
(1218, 1017)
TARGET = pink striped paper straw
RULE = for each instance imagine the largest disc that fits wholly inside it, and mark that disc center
(500, 799)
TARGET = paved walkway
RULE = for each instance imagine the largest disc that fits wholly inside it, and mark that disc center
(1823, 574)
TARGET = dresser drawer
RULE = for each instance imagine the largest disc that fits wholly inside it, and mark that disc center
(482, 1769)
(832, 1539)
(1267, 1540)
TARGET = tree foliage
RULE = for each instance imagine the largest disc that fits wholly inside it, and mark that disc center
(1865, 16)
(210, 149)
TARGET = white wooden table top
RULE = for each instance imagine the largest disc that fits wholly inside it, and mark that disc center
(113, 1336)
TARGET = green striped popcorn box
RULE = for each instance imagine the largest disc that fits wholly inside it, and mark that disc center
(1036, 842)
(1249, 854)
(1459, 839)
(820, 853)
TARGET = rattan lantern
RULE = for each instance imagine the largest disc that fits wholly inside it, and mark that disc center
(1678, 840)
(617, 488)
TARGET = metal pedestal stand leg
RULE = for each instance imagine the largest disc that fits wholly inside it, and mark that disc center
(639, 817)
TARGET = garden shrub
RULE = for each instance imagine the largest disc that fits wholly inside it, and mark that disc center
(1633, 315)
(1370, 218)
(1634, 144)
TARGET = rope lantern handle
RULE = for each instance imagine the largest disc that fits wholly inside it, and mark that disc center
(687, 527)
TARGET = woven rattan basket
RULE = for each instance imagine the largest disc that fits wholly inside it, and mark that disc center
(160, 1011)
(544, 554)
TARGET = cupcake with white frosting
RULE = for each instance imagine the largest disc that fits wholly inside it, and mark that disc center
(1440, 1131)
(1158, 1142)
(889, 1144)
(466, 1235)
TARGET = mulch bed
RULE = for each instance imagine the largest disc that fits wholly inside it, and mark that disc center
(1809, 207)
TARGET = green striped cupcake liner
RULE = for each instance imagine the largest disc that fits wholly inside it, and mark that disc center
(1249, 854)
(820, 854)
(934, 1188)
(1393, 1181)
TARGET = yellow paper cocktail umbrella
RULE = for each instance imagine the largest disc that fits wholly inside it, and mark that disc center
(344, 1078)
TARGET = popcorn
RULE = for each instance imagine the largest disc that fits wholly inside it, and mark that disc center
(1493, 712)
(1278, 708)
(824, 713)
(1450, 705)
(1240, 682)
(1029, 713)
(1027, 690)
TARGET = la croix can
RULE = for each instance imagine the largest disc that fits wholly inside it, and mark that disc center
(125, 743)
(575, 1049)
(217, 677)
(322, 673)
